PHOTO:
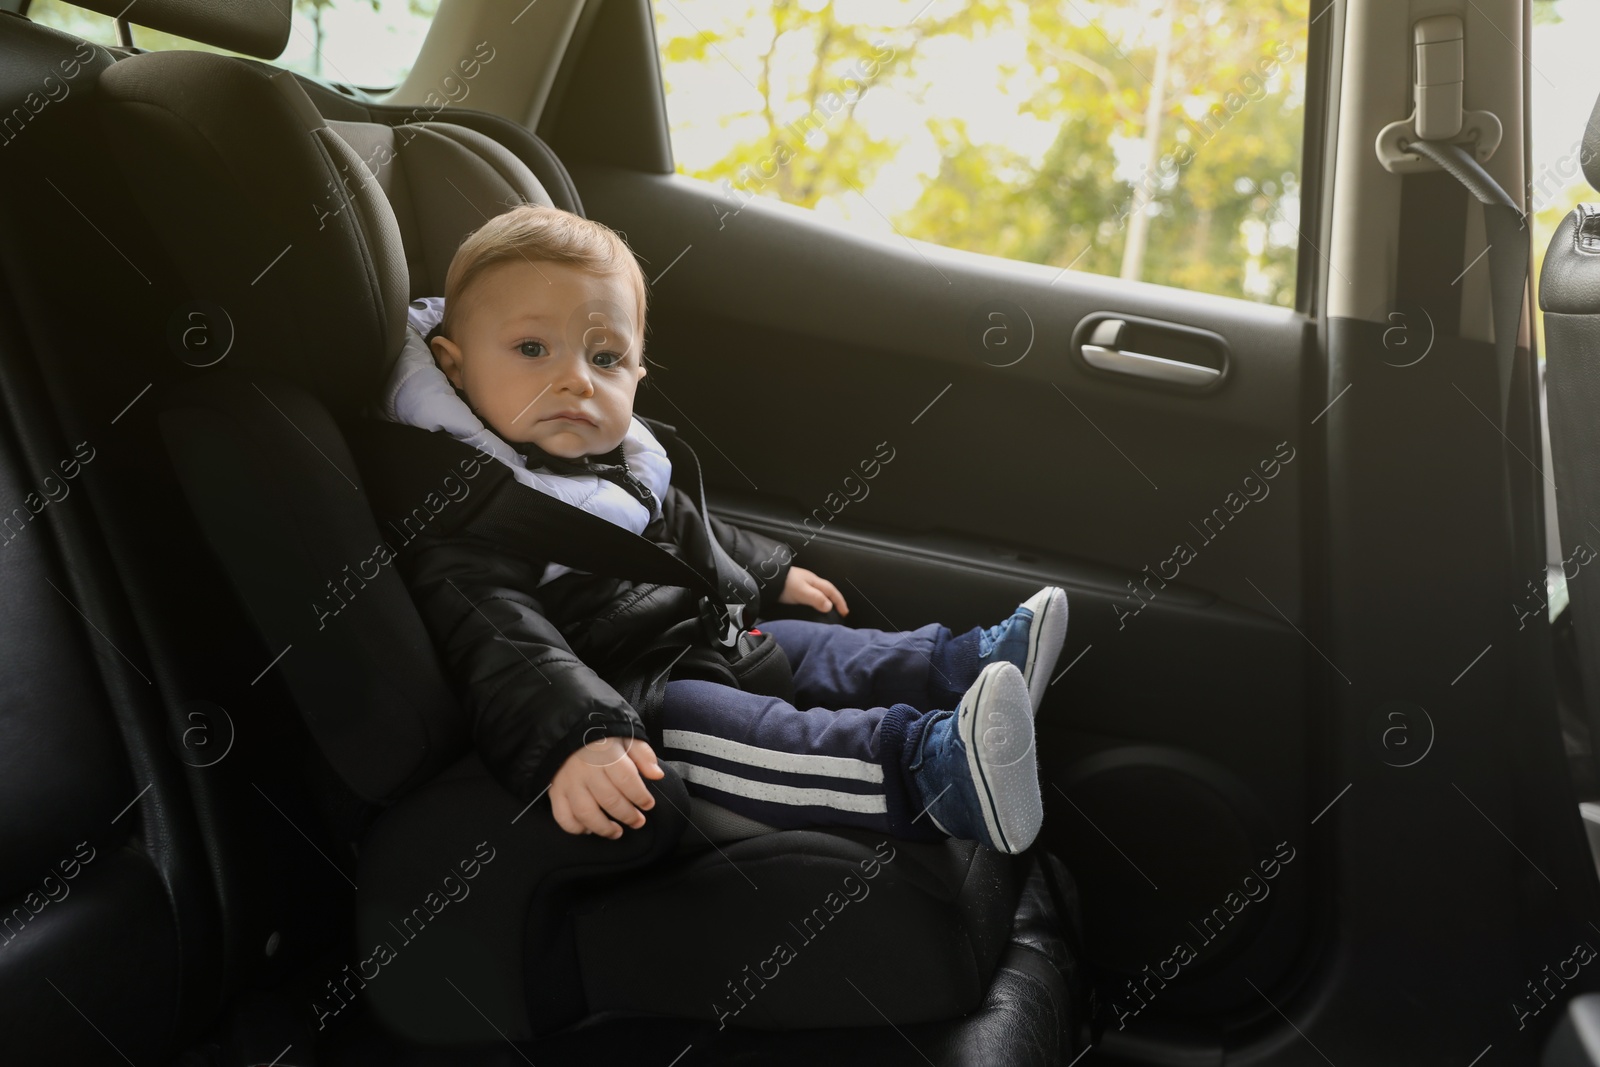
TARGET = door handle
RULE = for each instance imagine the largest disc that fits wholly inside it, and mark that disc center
(1103, 350)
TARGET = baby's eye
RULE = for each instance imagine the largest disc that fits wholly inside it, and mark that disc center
(608, 359)
(538, 347)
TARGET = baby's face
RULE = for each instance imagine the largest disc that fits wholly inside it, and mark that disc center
(534, 342)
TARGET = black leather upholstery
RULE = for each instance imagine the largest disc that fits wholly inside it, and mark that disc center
(203, 862)
(107, 910)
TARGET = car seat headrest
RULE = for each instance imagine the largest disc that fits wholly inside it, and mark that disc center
(442, 181)
(253, 27)
(266, 213)
(1589, 154)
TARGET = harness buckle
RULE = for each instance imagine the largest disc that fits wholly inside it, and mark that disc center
(723, 623)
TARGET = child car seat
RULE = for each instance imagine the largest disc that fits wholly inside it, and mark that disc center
(235, 170)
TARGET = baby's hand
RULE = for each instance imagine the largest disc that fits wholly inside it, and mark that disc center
(601, 779)
(804, 587)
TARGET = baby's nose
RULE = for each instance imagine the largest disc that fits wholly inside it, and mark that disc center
(575, 374)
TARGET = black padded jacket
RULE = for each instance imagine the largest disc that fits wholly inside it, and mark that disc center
(538, 667)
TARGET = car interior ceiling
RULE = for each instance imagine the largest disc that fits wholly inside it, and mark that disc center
(238, 832)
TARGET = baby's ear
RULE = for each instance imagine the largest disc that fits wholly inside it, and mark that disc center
(447, 357)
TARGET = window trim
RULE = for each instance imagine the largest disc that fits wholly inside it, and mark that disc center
(1315, 207)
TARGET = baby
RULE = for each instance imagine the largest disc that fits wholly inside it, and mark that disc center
(534, 357)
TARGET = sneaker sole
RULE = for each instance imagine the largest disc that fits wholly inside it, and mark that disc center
(1045, 637)
(995, 724)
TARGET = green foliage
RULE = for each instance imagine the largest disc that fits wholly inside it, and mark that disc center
(1221, 210)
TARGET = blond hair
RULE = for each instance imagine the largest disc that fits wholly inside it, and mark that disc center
(533, 233)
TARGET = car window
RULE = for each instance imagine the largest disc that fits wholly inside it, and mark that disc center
(1142, 139)
(367, 43)
(58, 15)
(1565, 84)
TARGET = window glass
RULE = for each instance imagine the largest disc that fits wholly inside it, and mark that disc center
(1157, 140)
(58, 15)
(367, 43)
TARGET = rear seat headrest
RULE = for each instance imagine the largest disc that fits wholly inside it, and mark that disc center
(1589, 153)
(266, 212)
(442, 181)
(253, 27)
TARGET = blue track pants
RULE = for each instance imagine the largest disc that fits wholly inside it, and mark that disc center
(838, 756)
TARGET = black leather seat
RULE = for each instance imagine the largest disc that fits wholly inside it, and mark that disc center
(233, 170)
(146, 787)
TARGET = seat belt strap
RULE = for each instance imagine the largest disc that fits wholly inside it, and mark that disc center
(584, 540)
(734, 576)
(1505, 228)
(567, 534)
(401, 465)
